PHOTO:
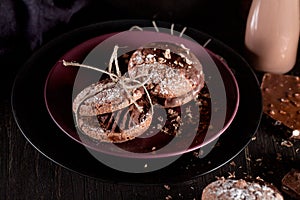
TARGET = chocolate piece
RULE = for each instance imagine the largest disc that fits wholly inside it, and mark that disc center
(291, 183)
(281, 100)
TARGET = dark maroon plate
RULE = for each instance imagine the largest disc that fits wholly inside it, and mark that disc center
(63, 83)
(39, 129)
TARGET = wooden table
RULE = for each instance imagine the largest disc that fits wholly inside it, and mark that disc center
(27, 174)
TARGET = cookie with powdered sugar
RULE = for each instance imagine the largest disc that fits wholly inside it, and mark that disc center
(106, 112)
(238, 189)
(175, 75)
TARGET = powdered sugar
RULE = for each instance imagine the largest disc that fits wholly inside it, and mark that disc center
(240, 189)
(168, 81)
(173, 70)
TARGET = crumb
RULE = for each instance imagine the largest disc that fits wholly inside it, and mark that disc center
(199, 153)
(286, 143)
(279, 156)
(167, 187)
(259, 178)
(219, 178)
(196, 154)
(231, 175)
(277, 123)
(232, 163)
(160, 118)
(270, 172)
(159, 126)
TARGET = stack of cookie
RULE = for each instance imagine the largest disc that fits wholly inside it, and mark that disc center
(120, 109)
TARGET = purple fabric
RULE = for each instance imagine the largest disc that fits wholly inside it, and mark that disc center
(23, 22)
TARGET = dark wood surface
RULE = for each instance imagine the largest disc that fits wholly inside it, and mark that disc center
(27, 174)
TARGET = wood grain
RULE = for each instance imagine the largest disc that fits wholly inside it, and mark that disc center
(27, 174)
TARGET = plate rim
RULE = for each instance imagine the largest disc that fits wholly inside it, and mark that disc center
(177, 153)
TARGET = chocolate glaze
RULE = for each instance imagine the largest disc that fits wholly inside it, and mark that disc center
(281, 100)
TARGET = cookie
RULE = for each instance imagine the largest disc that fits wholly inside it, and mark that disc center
(106, 112)
(119, 126)
(229, 189)
(175, 75)
(104, 96)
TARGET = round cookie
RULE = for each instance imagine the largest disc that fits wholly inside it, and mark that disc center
(104, 111)
(118, 126)
(104, 96)
(231, 189)
(175, 75)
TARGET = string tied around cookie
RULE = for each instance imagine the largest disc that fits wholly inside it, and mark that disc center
(125, 82)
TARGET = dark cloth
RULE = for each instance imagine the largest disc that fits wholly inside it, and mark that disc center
(23, 22)
(24, 25)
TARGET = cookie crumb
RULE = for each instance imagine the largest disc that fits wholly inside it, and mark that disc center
(286, 143)
(167, 187)
(279, 157)
(231, 175)
(232, 163)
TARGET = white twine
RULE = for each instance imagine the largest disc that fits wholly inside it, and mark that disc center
(126, 83)
(207, 42)
(157, 29)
